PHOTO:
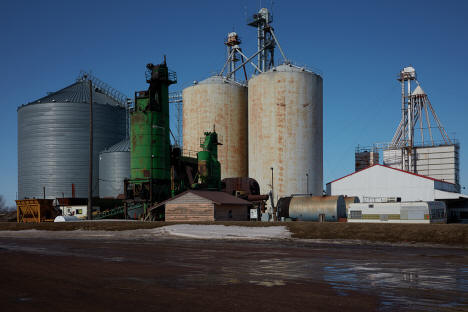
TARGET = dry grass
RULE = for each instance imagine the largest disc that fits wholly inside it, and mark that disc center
(453, 234)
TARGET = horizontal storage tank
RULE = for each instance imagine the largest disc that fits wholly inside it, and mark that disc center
(350, 200)
(53, 140)
(285, 131)
(114, 168)
(221, 103)
(313, 208)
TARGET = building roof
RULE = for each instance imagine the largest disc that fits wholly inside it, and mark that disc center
(415, 174)
(219, 198)
(78, 92)
(440, 195)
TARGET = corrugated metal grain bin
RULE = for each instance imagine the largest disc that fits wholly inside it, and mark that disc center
(285, 131)
(114, 168)
(221, 103)
(53, 140)
(313, 208)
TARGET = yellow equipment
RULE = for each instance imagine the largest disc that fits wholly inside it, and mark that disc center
(35, 210)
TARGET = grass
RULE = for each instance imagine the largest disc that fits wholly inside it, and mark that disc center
(451, 234)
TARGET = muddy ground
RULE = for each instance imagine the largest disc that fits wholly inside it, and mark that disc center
(179, 274)
(451, 234)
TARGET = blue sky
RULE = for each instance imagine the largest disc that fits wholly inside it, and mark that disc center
(359, 46)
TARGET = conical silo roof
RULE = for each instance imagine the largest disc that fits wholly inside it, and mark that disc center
(122, 146)
(418, 91)
(78, 92)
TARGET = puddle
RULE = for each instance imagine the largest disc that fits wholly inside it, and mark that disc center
(424, 279)
(396, 283)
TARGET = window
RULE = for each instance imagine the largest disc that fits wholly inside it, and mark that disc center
(355, 214)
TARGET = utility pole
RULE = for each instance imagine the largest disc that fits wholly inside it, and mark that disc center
(274, 209)
(90, 167)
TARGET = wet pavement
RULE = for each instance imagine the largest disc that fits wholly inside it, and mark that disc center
(180, 274)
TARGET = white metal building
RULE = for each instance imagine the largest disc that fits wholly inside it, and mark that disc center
(381, 181)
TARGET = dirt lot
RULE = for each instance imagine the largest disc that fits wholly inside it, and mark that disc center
(178, 274)
(452, 234)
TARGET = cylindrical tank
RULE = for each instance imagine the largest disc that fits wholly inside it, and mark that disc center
(286, 131)
(53, 141)
(350, 200)
(220, 103)
(309, 208)
(114, 168)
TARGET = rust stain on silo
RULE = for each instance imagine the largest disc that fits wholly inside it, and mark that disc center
(285, 131)
(223, 105)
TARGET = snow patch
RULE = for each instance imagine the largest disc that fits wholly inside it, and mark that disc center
(178, 230)
(226, 232)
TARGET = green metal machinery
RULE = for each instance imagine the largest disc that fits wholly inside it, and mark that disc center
(209, 168)
(150, 149)
(158, 170)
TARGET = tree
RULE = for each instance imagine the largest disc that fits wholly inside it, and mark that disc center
(2, 203)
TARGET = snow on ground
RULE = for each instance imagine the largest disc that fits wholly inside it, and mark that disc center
(178, 230)
(227, 232)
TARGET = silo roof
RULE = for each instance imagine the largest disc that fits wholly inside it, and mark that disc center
(293, 68)
(78, 92)
(219, 80)
(122, 146)
(418, 91)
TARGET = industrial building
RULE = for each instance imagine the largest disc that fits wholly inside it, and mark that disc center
(421, 163)
(196, 205)
(259, 139)
(53, 139)
(420, 144)
(278, 111)
(382, 183)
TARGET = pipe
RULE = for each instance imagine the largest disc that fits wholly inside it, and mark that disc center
(90, 167)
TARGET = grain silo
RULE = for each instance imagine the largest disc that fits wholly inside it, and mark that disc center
(53, 139)
(114, 168)
(286, 131)
(221, 103)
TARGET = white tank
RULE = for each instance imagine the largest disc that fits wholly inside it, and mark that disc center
(286, 131)
(221, 103)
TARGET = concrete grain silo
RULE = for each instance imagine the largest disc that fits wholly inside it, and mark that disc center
(53, 139)
(285, 120)
(221, 103)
